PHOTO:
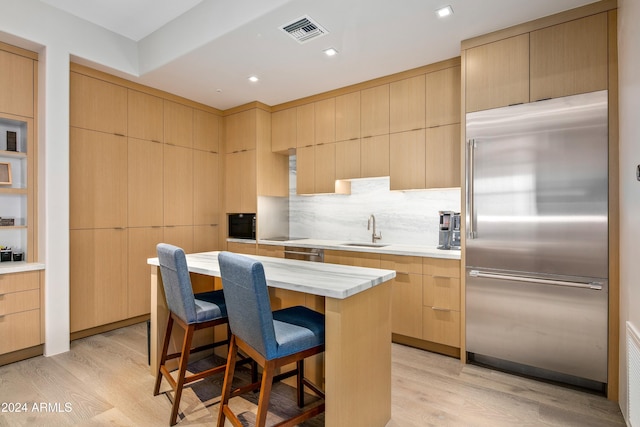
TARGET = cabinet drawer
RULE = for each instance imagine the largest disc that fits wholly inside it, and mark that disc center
(242, 248)
(441, 267)
(441, 292)
(16, 302)
(357, 259)
(401, 264)
(19, 330)
(272, 251)
(406, 306)
(441, 326)
(19, 282)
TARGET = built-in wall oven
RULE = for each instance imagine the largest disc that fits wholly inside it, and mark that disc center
(304, 254)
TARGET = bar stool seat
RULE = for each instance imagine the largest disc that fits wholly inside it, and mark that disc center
(272, 339)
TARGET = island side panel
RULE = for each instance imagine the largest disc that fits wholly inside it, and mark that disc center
(358, 359)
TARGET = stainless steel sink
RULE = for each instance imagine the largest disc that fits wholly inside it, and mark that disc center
(365, 245)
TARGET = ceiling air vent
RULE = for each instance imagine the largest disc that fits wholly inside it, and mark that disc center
(304, 29)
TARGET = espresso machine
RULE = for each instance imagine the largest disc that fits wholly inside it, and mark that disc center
(449, 230)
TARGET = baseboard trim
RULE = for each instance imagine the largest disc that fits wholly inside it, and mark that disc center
(426, 345)
(18, 355)
(109, 327)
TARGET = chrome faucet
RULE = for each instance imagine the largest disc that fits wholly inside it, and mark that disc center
(374, 236)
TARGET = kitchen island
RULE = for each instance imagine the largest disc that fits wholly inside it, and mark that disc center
(357, 307)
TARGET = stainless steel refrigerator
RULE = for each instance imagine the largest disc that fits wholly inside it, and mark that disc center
(537, 238)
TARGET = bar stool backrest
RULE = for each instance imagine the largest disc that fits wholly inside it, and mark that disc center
(177, 282)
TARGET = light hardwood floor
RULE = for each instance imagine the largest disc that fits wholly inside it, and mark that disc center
(104, 380)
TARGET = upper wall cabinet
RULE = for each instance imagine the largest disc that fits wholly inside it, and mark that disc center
(145, 116)
(178, 124)
(206, 131)
(97, 105)
(348, 116)
(498, 74)
(569, 58)
(374, 111)
(16, 84)
(305, 125)
(284, 130)
(325, 121)
(443, 97)
(240, 131)
(407, 104)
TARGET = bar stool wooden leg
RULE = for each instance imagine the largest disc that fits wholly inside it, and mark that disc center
(300, 377)
(265, 393)
(163, 355)
(228, 379)
(184, 360)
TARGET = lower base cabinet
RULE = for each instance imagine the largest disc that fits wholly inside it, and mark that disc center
(20, 315)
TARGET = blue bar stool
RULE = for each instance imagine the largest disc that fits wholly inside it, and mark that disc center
(191, 314)
(272, 339)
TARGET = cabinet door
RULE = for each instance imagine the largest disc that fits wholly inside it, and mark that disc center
(19, 331)
(442, 292)
(178, 185)
(441, 326)
(97, 105)
(16, 84)
(325, 168)
(145, 116)
(97, 179)
(272, 251)
(443, 157)
(374, 156)
(443, 97)
(240, 182)
(305, 125)
(407, 104)
(406, 305)
(348, 159)
(348, 116)
(178, 124)
(325, 121)
(498, 74)
(206, 203)
(240, 131)
(142, 244)
(144, 183)
(374, 111)
(406, 165)
(98, 277)
(358, 259)
(206, 131)
(569, 58)
(181, 236)
(206, 238)
(305, 170)
(283, 130)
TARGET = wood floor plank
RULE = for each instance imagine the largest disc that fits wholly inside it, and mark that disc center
(106, 380)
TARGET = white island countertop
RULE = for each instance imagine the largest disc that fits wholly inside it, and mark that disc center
(328, 280)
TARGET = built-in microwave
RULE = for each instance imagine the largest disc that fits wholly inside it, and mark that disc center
(242, 226)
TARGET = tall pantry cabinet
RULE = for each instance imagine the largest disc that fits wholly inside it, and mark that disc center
(21, 281)
(143, 170)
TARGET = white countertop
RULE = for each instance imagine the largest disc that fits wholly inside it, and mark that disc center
(328, 280)
(10, 267)
(391, 248)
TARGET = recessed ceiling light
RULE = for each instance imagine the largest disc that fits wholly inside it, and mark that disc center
(253, 79)
(330, 52)
(444, 11)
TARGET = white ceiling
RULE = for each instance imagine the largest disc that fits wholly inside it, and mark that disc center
(205, 50)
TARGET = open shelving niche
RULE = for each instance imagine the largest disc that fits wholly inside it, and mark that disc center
(14, 196)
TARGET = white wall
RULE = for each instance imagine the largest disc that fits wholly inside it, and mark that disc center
(629, 79)
(56, 35)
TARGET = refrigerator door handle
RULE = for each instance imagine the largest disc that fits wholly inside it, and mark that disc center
(471, 214)
(582, 285)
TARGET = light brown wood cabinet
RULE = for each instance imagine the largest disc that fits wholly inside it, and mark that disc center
(407, 160)
(274, 251)
(406, 292)
(407, 104)
(441, 300)
(144, 116)
(142, 242)
(240, 131)
(497, 74)
(443, 97)
(374, 156)
(348, 116)
(242, 248)
(358, 259)
(144, 183)
(306, 170)
(206, 238)
(348, 159)
(97, 105)
(178, 124)
(374, 111)
(284, 130)
(206, 131)
(97, 179)
(178, 185)
(442, 164)
(16, 84)
(569, 58)
(316, 169)
(20, 314)
(240, 184)
(305, 125)
(206, 205)
(325, 121)
(98, 276)
(179, 235)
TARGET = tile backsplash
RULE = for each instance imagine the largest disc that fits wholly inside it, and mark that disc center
(403, 217)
